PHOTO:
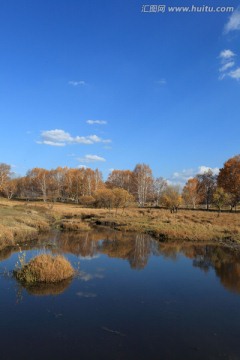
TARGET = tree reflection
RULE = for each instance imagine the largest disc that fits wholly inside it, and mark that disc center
(136, 249)
(223, 260)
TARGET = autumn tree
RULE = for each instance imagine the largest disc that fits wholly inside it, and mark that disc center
(171, 198)
(58, 182)
(104, 198)
(10, 188)
(87, 200)
(220, 198)
(229, 179)
(142, 181)
(120, 179)
(206, 186)
(92, 181)
(39, 179)
(122, 198)
(191, 194)
(5, 173)
(25, 188)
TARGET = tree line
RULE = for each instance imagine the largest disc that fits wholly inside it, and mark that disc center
(124, 187)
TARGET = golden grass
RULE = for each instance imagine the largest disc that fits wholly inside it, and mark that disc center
(19, 221)
(74, 225)
(185, 225)
(45, 268)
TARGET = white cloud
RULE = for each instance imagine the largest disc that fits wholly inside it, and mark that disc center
(56, 135)
(99, 122)
(51, 143)
(95, 138)
(91, 158)
(233, 22)
(227, 66)
(226, 54)
(59, 137)
(235, 74)
(227, 63)
(203, 169)
(183, 176)
(77, 82)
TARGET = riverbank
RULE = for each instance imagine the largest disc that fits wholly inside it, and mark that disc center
(24, 221)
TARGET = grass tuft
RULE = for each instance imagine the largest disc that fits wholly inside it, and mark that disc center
(44, 268)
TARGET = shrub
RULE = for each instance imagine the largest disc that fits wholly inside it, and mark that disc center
(45, 268)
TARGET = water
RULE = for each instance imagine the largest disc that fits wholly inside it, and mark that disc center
(133, 298)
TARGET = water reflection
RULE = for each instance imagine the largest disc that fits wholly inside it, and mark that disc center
(137, 249)
(49, 289)
(225, 261)
(44, 241)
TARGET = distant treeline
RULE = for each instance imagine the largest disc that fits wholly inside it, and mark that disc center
(124, 187)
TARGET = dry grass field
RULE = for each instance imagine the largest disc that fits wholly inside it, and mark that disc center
(20, 221)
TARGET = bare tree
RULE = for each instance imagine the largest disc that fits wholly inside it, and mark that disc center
(143, 179)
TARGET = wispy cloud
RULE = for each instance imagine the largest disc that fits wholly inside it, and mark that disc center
(60, 137)
(235, 74)
(77, 82)
(227, 58)
(91, 159)
(98, 122)
(227, 66)
(233, 22)
(84, 276)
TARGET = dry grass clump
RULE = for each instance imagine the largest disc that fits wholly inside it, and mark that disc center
(45, 268)
(75, 225)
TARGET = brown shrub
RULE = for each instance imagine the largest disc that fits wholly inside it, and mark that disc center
(45, 268)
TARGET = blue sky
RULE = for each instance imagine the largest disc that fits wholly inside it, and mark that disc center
(159, 88)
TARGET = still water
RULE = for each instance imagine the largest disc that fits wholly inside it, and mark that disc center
(133, 298)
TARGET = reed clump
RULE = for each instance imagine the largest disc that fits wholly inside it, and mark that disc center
(44, 268)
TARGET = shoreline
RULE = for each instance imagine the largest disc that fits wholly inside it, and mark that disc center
(24, 222)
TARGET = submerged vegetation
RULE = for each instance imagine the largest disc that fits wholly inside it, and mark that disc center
(44, 268)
